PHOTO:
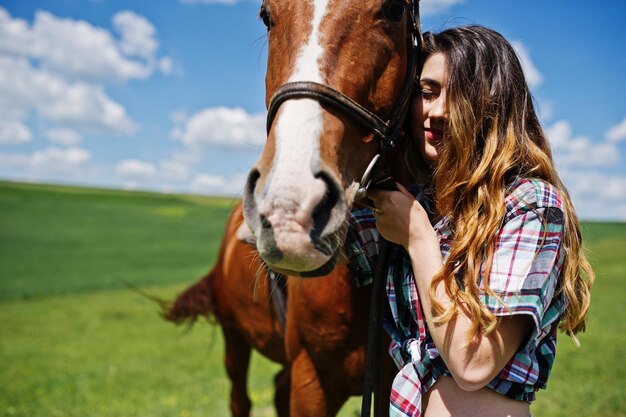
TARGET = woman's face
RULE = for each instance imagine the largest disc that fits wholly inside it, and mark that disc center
(428, 108)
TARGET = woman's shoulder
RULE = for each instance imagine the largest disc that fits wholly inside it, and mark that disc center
(526, 194)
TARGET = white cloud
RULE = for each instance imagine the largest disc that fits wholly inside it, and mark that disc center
(48, 160)
(55, 68)
(533, 76)
(14, 132)
(597, 195)
(173, 170)
(80, 105)
(204, 182)
(76, 48)
(11, 160)
(166, 65)
(53, 73)
(137, 35)
(545, 110)
(221, 127)
(570, 150)
(617, 133)
(63, 136)
(60, 158)
(133, 169)
(433, 7)
(131, 185)
(217, 185)
(580, 160)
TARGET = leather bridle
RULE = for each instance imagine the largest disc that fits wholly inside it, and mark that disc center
(387, 132)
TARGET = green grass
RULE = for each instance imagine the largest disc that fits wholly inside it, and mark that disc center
(75, 342)
(109, 354)
(588, 380)
(63, 240)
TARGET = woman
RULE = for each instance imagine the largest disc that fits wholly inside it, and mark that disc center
(492, 263)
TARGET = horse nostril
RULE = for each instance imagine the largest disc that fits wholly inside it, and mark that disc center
(249, 204)
(265, 223)
(323, 210)
(253, 178)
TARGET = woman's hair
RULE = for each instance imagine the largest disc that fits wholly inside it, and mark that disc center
(493, 136)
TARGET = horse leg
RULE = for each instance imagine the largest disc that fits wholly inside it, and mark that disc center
(237, 360)
(281, 397)
(307, 395)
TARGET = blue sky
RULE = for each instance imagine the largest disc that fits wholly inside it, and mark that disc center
(168, 95)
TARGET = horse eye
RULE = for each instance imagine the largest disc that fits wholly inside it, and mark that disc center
(394, 9)
(264, 14)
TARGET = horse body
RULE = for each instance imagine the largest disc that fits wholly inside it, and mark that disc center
(325, 339)
(322, 347)
(241, 303)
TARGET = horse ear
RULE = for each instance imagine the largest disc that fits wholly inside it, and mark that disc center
(418, 25)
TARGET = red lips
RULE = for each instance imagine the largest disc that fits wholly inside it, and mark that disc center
(433, 135)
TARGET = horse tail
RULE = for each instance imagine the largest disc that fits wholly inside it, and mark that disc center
(200, 299)
(197, 300)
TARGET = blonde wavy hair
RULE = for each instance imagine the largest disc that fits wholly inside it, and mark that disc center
(493, 136)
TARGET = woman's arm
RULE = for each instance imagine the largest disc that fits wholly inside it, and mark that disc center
(402, 220)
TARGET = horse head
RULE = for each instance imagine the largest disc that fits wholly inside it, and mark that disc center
(338, 82)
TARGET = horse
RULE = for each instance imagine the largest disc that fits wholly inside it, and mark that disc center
(333, 107)
(338, 83)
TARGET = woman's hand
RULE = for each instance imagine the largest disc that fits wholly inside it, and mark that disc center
(400, 218)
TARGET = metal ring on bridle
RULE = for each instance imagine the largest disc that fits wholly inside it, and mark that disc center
(365, 179)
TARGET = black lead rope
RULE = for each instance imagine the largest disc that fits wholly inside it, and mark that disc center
(376, 177)
(372, 364)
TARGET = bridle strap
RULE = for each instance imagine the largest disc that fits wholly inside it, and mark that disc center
(330, 97)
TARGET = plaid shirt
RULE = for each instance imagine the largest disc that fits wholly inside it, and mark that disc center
(526, 267)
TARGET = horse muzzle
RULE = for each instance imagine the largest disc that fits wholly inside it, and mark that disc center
(298, 220)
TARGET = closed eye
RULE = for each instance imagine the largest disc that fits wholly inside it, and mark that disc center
(393, 10)
(428, 95)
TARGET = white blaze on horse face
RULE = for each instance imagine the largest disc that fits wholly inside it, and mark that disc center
(293, 191)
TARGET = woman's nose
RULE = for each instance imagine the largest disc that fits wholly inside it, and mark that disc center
(438, 109)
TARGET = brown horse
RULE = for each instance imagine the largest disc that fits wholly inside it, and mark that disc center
(338, 83)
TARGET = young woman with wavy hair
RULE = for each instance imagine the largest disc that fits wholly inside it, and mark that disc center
(489, 259)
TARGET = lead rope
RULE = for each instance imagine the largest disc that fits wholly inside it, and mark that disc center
(371, 384)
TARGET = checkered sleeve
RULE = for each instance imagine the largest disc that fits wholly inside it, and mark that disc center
(362, 246)
(527, 258)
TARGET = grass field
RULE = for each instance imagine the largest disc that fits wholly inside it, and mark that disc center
(74, 341)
